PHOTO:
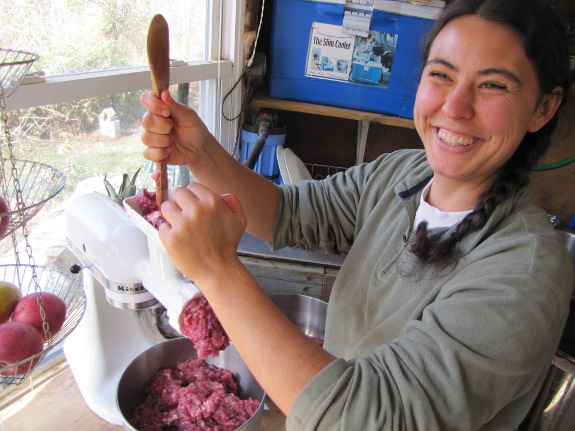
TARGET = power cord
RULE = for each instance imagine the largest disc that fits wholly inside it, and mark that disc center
(231, 91)
(247, 96)
(250, 86)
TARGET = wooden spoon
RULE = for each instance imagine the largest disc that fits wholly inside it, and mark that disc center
(158, 44)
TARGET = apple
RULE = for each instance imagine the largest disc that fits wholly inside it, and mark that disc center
(28, 311)
(19, 341)
(9, 297)
(4, 219)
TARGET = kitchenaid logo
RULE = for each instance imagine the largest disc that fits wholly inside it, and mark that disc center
(130, 288)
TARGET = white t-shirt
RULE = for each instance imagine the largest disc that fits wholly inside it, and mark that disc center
(433, 216)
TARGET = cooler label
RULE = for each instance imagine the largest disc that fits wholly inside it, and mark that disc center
(335, 54)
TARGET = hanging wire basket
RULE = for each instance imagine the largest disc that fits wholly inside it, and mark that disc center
(14, 65)
(38, 184)
(30, 279)
(320, 172)
(25, 187)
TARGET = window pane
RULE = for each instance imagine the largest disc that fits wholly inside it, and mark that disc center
(85, 35)
(88, 140)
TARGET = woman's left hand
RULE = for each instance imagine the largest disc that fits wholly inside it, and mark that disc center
(203, 230)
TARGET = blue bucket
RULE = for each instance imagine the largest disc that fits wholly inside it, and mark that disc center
(267, 163)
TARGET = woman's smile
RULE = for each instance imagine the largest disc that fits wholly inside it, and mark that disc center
(455, 139)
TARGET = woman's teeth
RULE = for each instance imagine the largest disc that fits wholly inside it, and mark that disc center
(455, 140)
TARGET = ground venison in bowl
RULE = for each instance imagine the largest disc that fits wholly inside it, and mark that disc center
(195, 396)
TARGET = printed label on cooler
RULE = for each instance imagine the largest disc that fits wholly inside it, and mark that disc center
(335, 54)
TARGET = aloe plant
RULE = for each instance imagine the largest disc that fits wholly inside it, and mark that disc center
(127, 188)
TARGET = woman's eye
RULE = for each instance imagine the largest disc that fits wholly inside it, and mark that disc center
(438, 75)
(494, 86)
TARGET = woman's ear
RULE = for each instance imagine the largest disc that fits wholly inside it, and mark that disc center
(546, 109)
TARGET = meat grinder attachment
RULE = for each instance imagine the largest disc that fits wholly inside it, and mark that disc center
(125, 254)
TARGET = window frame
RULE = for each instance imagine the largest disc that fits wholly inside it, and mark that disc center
(217, 75)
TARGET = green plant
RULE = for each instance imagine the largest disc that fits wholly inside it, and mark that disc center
(126, 189)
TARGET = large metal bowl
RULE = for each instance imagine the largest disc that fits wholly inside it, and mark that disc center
(171, 353)
(306, 312)
(554, 407)
(568, 235)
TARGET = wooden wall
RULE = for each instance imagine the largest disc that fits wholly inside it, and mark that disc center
(566, 10)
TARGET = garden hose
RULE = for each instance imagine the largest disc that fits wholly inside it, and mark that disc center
(555, 165)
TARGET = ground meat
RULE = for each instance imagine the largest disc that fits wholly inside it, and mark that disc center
(196, 396)
(201, 325)
(147, 201)
(150, 211)
(155, 218)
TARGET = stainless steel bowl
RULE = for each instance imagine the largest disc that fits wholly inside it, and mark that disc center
(169, 354)
(554, 408)
(568, 235)
(306, 312)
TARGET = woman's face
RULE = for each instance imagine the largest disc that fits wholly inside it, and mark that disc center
(477, 98)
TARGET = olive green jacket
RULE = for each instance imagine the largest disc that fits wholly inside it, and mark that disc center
(458, 349)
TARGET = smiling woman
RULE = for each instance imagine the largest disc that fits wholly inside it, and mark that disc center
(487, 117)
(448, 328)
(474, 106)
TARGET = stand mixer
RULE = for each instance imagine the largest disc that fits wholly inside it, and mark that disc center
(126, 271)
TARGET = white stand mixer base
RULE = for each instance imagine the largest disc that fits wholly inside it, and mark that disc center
(101, 347)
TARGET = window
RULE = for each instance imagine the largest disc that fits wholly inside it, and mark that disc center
(87, 35)
(84, 119)
(94, 48)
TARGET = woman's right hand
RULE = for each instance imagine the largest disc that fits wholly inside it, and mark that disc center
(175, 133)
(172, 131)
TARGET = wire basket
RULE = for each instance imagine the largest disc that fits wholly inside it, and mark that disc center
(38, 183)
(30, 279)
(14, 65)
(320, 172)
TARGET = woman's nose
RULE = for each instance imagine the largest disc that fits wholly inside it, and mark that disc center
(459, 103)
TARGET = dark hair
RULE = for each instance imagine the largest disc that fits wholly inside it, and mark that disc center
(546, 45)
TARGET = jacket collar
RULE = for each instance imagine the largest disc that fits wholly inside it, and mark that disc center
(409, 191)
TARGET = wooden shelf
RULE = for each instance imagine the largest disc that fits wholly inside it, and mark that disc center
(264, 101)
(330, 111)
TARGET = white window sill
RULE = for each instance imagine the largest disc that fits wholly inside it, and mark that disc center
(66, 88)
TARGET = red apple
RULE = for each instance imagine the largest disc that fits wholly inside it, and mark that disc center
(4, 219)
(9, 297)
(28, 311)
(19, 341)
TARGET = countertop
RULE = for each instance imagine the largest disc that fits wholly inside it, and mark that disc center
(252, 246)
(56, 404)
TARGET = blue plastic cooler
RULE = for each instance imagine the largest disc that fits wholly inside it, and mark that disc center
(306, 65)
